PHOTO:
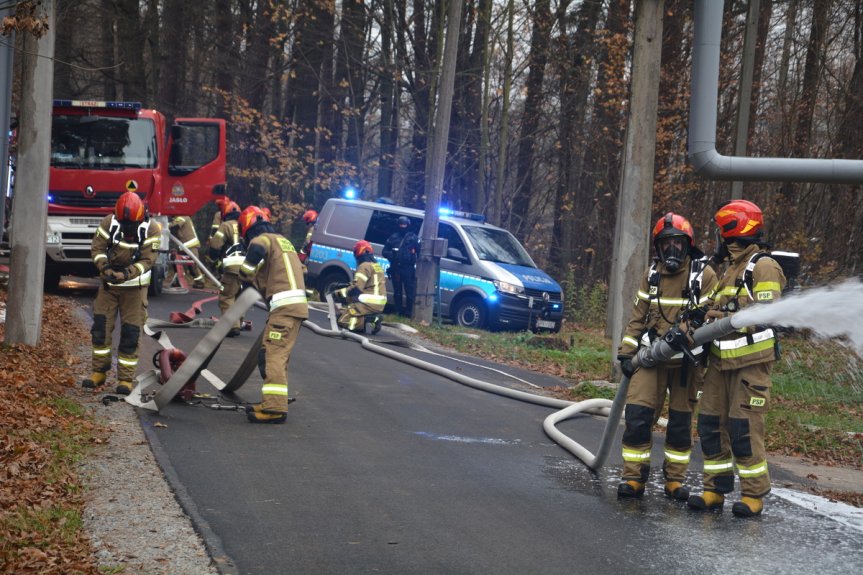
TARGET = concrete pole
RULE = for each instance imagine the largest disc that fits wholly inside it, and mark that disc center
(428, 266)
(744, 98)
(632, 233)
(27, 270)
(7, 49)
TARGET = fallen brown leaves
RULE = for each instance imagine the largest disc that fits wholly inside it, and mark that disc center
(40, 496)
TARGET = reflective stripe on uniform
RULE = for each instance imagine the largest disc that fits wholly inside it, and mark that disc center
(636, 455)
(193, 243)
(372, 299)
(364, 277)
(741, 346)
(752, 470)
(140, 281)
(677, 456)
(715, 466)
(230, 261)
(631, 341)
(98, 258)
(248, 268)
(287, 297)
(767, 286)
(101, 351)
(274, 389)
(667, 301)
(127, 362)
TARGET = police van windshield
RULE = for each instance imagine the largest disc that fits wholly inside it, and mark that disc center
(498, 246)
(102, 143)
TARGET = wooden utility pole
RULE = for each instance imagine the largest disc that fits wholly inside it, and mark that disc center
(30, 210)
(744, 97)
(632, 233)
(6, 52)
(428, 266)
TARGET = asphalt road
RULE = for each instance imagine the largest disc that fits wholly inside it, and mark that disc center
(385, 468)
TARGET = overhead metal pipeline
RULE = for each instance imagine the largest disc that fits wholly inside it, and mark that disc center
(704, 105)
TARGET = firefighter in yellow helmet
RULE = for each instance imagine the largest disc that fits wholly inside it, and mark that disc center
(123, 250)
(228, 251)
(367, 294)
(737, 383)
(272, 265)
(678, 281)
(183, 229)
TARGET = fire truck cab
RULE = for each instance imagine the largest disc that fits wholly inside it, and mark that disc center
(99, 150)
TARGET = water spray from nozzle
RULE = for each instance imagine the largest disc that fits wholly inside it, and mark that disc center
(830, 311)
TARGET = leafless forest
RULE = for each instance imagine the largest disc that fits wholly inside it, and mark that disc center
(322, 94)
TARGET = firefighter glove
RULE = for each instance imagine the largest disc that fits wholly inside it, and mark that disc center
(626, 365)
(715, 314)
(106, 273)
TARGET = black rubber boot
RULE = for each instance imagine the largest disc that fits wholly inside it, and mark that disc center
(630, 490)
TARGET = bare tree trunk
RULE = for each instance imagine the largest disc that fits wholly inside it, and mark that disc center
(504, 118)
(790, 219)
(130, 38)
(537, 61)
(389, 96)
(173, 65)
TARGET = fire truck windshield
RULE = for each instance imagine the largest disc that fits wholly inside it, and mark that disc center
(102, 143)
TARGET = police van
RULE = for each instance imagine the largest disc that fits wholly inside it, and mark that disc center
(487, 279)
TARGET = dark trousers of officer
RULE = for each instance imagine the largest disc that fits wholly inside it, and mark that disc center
(731, 428)
(131, 303)
(644, 400)
(404, 281)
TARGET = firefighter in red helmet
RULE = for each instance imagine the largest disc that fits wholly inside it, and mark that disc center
(124, 251)
(367, 293)
(678, 280)
(183, 228)
(228, 251)
(737, 383)
(272, 265)
(310, 217)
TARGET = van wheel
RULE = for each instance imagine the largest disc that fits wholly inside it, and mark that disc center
(470, 312)
(328, 280)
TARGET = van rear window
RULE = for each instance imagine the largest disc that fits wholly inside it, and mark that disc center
(384, 224)
(348, 221)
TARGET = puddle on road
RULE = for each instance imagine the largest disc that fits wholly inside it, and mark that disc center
(666, 535)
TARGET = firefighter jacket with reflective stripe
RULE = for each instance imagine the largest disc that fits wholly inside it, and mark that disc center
(273, 266)
(227, 246)
(136, 254)
(660, 300)
(751, 345)
(307, 244)
(217, 221)
(183, 229)
(372, 283)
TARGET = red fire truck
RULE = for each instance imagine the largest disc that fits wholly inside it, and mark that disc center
(100, 150)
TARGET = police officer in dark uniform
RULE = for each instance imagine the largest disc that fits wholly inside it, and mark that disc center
(401, 250)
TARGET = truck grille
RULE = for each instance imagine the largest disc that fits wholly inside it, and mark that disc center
(537, 294)
(76, 199)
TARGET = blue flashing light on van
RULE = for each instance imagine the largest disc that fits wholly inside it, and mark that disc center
(487, 279)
